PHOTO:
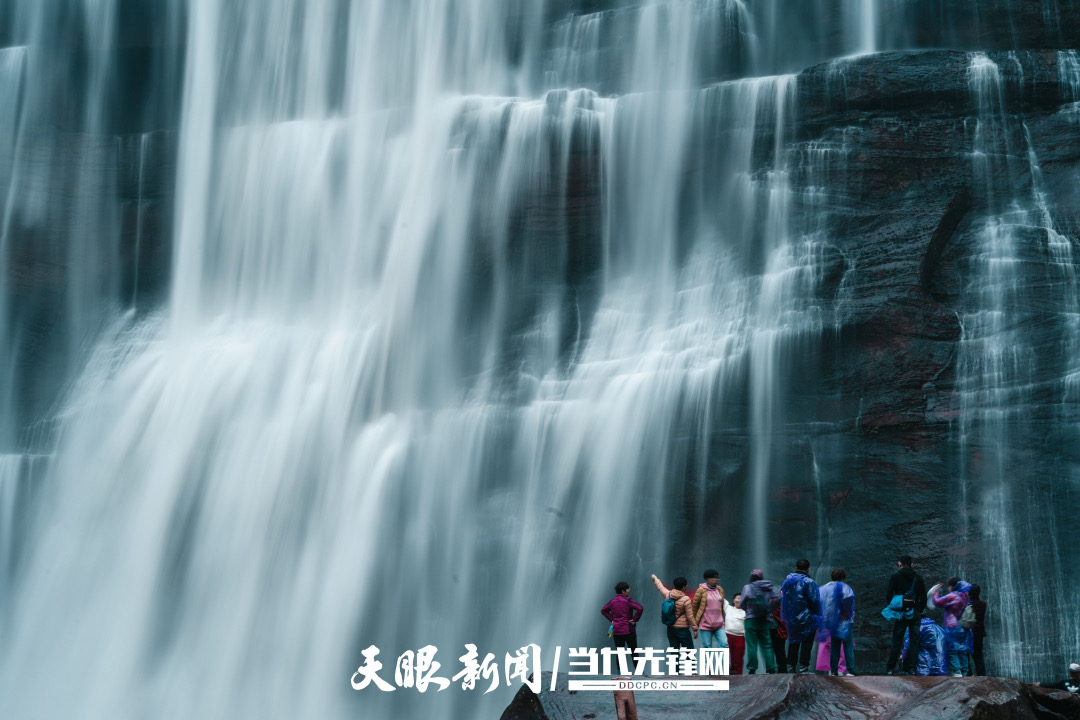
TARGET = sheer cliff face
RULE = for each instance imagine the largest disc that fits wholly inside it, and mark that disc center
(957, 205)
(574, 291)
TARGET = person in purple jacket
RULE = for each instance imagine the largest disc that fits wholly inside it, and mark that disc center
(960, 640)
(623, 612)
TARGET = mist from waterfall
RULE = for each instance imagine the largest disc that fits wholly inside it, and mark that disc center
(474, 308)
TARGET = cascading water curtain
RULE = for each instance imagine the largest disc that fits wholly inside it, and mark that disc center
(1003, 361)
(435, 328)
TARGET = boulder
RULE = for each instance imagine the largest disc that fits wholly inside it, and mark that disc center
(812, 697)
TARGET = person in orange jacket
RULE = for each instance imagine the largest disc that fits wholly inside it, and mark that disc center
(679, 631)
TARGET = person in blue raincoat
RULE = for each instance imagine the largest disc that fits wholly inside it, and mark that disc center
(800, 607)
(837, 621)
(933, 657)
(961, 643)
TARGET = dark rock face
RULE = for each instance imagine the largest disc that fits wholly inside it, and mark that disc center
(911, 224)
(792, 697)
(874, 458)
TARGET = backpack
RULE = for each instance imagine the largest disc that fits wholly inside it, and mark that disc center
(760, 605)
(668, 615)
(967, 618)
(908, 603)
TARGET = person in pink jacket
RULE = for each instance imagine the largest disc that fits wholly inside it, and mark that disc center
(623, 612)
(960, 640)
(708, 606)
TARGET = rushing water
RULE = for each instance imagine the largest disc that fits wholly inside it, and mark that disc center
(472, 306)
(1018, 248)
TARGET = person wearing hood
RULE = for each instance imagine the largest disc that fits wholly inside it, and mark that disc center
(960, 640)
(734, 624)
(759, 598)
(623, 612)
(837, 621)
(679, 632)
(801, 609)
(905, 580)
(708, 608)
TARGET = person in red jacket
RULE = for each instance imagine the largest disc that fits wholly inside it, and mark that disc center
(778, 631)
(623, 612)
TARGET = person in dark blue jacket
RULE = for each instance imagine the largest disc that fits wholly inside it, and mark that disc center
(800, 606)
(1069, 684)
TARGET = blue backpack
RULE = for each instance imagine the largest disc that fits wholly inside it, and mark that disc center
(668, 616)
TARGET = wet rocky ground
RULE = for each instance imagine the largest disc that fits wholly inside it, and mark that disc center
(816, 697)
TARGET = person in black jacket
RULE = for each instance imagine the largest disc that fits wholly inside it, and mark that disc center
(979, 630)
(1069, 684)
(905, 579)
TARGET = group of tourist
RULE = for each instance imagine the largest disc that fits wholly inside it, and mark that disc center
(783, 624)
(955, 647)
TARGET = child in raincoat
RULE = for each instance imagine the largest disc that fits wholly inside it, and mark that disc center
(933, 658)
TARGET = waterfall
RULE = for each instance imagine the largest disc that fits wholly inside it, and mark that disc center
(12, 64)
(475, 308)
(862, 16)
(1017, 247)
